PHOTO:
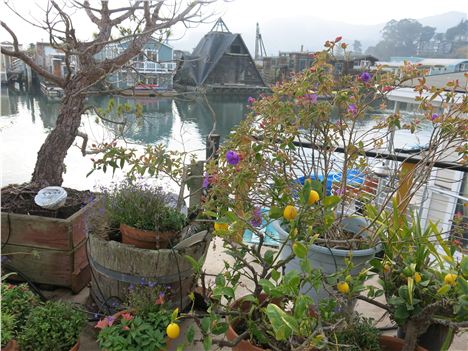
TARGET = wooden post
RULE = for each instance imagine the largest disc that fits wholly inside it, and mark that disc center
(195, 183)
(406, 182)
(212, 145)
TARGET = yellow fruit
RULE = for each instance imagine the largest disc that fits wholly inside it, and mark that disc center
(220, 226)
(343, 287)
(313, 197)
(417, 277)
(450, 278)
(387, 268)
(290, 212)
(173, 331)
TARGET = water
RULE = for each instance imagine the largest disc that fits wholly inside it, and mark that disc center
(180, 124)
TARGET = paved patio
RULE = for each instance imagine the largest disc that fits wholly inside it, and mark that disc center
(213, 263)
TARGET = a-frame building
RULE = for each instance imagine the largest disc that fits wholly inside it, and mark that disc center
(221, 59)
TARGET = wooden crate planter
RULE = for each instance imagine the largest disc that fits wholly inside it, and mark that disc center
(60, 245)
(116, 266)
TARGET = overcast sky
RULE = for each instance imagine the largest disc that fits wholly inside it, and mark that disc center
(241, 15)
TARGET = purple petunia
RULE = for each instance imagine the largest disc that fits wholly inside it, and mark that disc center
(312, 98)
(352, 109)
(365, 77)
(232, 157)
(434, 116)
(250, 100)
(256, 217)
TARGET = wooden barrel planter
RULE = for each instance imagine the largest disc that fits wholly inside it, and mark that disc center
(48, 250)
(115, 266)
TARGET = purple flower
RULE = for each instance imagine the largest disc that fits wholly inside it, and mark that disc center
(311, 97)
(365, 77)
(110, 320)
(206, 181)
(352, 109)
(131, 287)
(151, 284)
(251, 100)
(339, 191)
(256, 220)
(434, 116)
(232, 157)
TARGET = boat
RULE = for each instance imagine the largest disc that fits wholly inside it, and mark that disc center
(51, 91)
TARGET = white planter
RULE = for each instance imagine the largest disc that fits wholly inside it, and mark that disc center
(326, 259)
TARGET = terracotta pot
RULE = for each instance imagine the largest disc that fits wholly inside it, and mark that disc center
(391, 343)
(231, 334)
(11, 346)
(146, 239)
(432, 339)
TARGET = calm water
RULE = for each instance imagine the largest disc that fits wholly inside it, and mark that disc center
(180, 124)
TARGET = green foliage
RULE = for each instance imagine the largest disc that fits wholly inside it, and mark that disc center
(143, 332)
(8, 327)
(54, 326)
(18, 301)
(359, 335)
(143, 207)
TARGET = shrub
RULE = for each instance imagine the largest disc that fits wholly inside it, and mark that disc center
(53, 326)
(143, 207)
(8, 327)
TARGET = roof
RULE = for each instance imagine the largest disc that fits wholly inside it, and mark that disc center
(441, 80)
(442, 62)
(206, 55)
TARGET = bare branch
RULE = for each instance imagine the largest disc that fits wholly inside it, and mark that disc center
(26, 59)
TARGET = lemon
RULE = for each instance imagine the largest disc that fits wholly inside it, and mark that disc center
(417, 277)
(220, 226)
(450, 278)
(290, 212)
(313, 197)
(173, 331)
(343, 287)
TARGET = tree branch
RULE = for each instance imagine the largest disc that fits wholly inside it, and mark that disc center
(26, 59)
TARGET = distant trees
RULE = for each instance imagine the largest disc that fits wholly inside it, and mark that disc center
(400, 38)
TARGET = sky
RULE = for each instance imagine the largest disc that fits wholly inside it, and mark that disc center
(242, 15)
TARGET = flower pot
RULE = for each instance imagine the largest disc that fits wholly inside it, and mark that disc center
(328, 260)
(11, 346)
(116, 266)
(231, 334)
(146, 239)
(391, 343)
(432, 339)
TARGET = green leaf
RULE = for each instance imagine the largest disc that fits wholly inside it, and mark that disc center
(276, 212)
(190, 333)
(228, 292)
(331, 201)
(220, 280)
(464, 266)
(205, 324)
(219, 328)
(268, 257)
(266, 285)
(207, 343)
(283, 324)
(275, 275)
(174, 315)
(299, 249)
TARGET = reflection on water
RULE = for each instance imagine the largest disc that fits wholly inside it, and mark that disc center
(181, 123)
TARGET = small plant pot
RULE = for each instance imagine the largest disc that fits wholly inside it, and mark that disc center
(231, 334)
(146, 239)
(391, 343)
(11, 346)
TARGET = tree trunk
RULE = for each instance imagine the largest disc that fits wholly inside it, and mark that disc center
(50, 158)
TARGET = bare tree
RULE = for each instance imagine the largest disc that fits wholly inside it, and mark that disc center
(148, 17)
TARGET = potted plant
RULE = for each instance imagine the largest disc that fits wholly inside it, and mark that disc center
(146, 215)
(52, 323)
(425, 286)
(17, 303)
(145, 324)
